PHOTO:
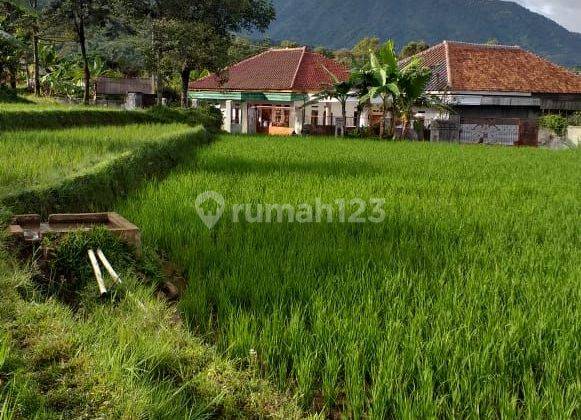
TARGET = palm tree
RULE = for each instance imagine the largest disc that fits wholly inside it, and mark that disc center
(341, 90)
(362, 81)
(412, 82)
(383, 72)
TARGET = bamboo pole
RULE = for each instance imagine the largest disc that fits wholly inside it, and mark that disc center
(108, 266)
(97, 271)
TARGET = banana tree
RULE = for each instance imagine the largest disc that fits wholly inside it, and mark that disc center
(412, 82)
(362, 81)
(97, 68)
(63, 79)
(383, 72)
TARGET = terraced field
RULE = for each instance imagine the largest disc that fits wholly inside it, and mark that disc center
(37, 158)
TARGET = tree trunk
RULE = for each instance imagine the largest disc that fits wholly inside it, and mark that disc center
(86, 71)
(392, 123)
(404, 128)
(13, 78)
(383, 116)
(158, 88)
(344, 116)
(36, 65)
(185, 75)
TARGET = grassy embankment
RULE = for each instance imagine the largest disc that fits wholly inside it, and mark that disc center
(127, 356)
(463, 302)
(38, 159)
(47, 115)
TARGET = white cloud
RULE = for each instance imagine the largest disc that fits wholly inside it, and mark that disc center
(565, 12)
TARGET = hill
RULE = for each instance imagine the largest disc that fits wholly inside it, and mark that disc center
(341, 23)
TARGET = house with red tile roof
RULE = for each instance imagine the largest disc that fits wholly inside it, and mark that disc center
(497, 91)
(271, 92)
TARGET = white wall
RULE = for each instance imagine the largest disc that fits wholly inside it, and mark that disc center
(333, 108)
(574, 135)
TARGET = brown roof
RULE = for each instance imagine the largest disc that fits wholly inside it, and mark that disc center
(460, 67)
(113, 86)
(288, 70)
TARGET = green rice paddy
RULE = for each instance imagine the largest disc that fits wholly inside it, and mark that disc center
(39, 158)
(463, 302)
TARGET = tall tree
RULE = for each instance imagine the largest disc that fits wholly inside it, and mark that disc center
(363, 48)
(12, 41)
(74, 17)
(341, 90)
(219, 18)
(241, 48)
(28, 21)
(412, 48)
(9, 56)
(183, 41)
(32, 21)
(345, 57)
(383, 73)
(34, 17)
(412, 81)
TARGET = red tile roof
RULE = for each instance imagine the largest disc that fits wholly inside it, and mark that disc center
(288, 70)
(459, 67)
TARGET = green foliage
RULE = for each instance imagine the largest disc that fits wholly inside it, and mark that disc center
(242, 48)
(462, 303)
(383, 73)
(38, 159)
(98, 187)
(123, 357)
(340, 90)
(575, 119)
(556, 123)
(324, 52)
(288, 44)
(412, 48)
(54, 117)
(363, 49)
(67, 273)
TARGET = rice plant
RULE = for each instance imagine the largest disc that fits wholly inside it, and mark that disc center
(40, 158)
(463, 302)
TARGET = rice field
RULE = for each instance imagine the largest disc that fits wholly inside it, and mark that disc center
(39, 158)
(463, 302)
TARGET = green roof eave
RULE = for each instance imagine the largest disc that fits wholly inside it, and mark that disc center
(247, 96)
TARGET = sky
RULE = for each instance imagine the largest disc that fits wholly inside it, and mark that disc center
(565, 12)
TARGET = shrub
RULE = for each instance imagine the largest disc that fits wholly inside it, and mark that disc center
(575, 119)
(208, 116)
(56, 119)
(555, 123)
(8, 95)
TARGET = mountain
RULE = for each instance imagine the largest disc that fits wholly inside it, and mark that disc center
(341, 23)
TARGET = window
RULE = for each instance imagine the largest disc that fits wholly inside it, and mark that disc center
(281, 117)
(314, 116)
(235, 117)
